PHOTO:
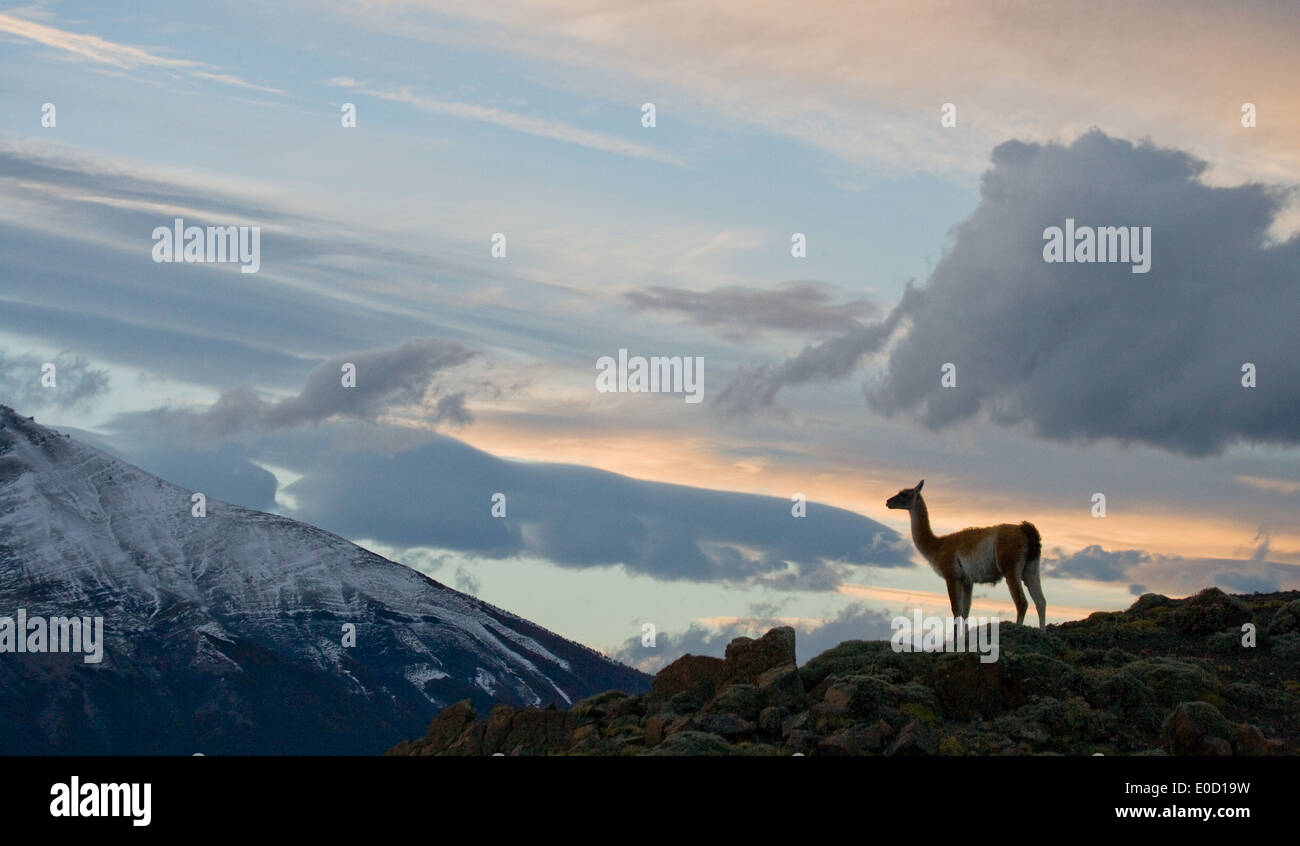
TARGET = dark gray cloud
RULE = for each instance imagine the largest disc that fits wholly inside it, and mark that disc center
(76, 384)
(1086, 351)
(223, 473)
(854, 622)
(1174, 574)
(410, 489)
(1095, 563)
(439, 494)
(756, 387)
(805, 307)
(384, 378)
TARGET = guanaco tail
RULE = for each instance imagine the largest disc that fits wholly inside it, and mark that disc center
(978, 556)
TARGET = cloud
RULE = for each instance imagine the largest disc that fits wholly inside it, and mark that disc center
(1264, 483)
(1095, 563)
(467, 582)
(223, 473)
(1088, 351)
(439, 495)
(864, 80)
(540, 127)
(76, 383)
(798, 307)
(92, 48)
(1174, 574)
(753, 388)
(384, 378)
(812, 637)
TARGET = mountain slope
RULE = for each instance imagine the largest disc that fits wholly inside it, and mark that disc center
(223, 633)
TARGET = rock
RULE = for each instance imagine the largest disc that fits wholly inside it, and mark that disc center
(598, 706)
(801, 741)
(743, 700)
(1251, 741)
(858, 697)
(585, 739)
(693, 743)
(469, 743)
(1286, 619)
(860, 739)
(770, 719)
(685, 703)
(860, 657)
(449, 725)
(1217, 747)
(783, 686)
(538, 732)
(629, 706)
(1192, 727)
(967, 687)
(795, 722)
(696, 675)
(747, 659)
(497, 729)
(727, 726)
(625, 725)
(914, 739)
(682, 723)
(655, 728)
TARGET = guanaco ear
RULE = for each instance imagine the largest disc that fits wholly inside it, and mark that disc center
(917, 489)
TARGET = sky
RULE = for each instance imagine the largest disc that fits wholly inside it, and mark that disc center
(503, 214)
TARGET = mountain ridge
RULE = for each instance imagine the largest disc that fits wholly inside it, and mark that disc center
(224, 633)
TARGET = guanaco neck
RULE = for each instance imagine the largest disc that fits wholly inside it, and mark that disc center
(926, 543)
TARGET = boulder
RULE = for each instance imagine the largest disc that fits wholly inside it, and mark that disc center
(696, 675)
(743, 700)
(770, 719)
(747, 659)
(693, 743)
(497, 729)
(860, 739)
(1197, 728)
(783, 686)
(448, 726)
(914, 739)
(656, 728)
(1251, 741)
(538, 732)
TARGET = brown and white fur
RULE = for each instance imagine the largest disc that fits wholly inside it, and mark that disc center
(978, 556)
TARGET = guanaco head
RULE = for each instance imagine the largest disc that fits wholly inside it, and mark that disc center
(904, 499)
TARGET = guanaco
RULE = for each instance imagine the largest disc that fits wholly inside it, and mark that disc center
(978, 556)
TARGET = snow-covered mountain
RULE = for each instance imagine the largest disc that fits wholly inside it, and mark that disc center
(225, 633)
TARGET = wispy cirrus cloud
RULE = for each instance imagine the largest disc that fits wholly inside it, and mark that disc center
(92, 48)
(540, 127)
(742, 311)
